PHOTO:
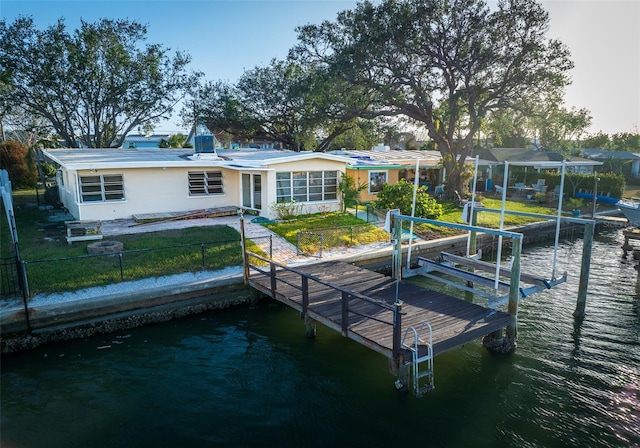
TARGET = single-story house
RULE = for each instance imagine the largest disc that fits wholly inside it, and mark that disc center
(384, 165)
(617, 157)
(107, 184)
(529, 161)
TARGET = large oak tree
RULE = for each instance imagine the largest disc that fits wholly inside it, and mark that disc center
(445, 64)
(298, 106)
(93, 85)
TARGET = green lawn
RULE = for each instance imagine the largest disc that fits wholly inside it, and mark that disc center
(452, 213)
(54, 265)
(346, 229)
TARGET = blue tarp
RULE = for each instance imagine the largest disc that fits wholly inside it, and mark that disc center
(604, 199)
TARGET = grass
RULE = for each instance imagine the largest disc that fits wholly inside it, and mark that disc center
(452, 213)
(341, 229)
(53, 265)
(632, 191)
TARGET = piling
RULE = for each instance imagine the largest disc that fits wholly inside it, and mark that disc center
(587, 246)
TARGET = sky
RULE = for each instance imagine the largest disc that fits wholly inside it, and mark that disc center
(225, 38)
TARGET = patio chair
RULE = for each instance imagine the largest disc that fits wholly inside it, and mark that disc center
(539, 187)
(499, 190)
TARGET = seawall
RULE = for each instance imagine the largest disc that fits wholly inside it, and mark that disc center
(115, 312)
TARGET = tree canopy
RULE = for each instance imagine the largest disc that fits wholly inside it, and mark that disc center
(94, 85)
(298, 106)
(543, 125)
(444, 64)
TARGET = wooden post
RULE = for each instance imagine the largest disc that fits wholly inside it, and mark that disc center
(505, 342)
(587, 244)
(397, 332)
(345, 313)
(245, 257)
(310, 327)
(305, 295)
(309, 323)
(274, 281)
(402, 381)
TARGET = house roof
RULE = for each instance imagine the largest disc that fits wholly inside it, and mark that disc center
(363, 159)
(528, 157)
(603, 154)
(85, 159)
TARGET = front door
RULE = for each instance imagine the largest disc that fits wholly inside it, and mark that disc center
(252, 191)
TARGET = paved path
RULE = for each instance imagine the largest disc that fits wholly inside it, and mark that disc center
(283, 251)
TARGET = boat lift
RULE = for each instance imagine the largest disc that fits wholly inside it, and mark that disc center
(500, 291)
(507, 283)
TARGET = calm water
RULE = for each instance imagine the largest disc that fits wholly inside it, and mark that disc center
(248, 377)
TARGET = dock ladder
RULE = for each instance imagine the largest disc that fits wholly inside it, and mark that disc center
(422, 351)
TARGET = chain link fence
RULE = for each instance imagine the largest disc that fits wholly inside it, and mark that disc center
(313, 242)
(83, 271)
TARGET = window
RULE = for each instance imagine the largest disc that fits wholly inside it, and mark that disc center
(103, 187)
(307, 186)
(376, 180)
(202, 183)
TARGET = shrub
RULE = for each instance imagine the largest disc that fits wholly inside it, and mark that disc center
(18, 161)
(400, 196)
(287, 210)
(48, 169)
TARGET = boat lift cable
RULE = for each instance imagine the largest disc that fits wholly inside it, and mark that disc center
(560, 196)
(473, 202)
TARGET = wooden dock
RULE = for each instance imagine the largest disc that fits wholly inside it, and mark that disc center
(360, 304)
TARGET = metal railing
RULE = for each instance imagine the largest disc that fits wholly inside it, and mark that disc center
(256, 263)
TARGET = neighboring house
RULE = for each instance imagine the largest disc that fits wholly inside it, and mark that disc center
(107, 184)
(530, 161)
(139, 141)
(616, 157)
(383, 165)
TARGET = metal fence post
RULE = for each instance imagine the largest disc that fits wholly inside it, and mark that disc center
(121, 267)
(202, 252)
(25, 293)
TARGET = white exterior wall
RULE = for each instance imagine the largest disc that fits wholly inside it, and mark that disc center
(269, 194)
(165, 189)
(149, 190)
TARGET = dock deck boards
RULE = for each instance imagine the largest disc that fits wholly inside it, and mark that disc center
(454, 322)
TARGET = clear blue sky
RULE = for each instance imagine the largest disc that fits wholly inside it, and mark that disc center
(226, 37)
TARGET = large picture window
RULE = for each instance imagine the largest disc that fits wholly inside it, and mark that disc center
(376, 180)
(307, 186)
(101, 188)
(202, 183)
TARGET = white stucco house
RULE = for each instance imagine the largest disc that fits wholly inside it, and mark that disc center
(107, 184)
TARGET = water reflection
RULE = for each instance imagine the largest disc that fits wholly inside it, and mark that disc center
(248, 377)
